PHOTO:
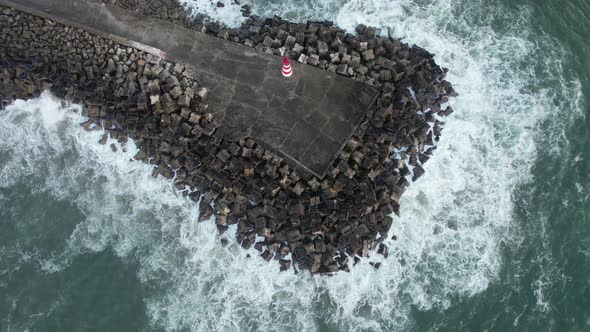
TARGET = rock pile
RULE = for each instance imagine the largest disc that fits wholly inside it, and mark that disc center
(317, 224)
(169, 10)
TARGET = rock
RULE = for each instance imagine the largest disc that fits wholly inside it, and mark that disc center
(360, 29)
(313, 59)
(322, 49)
(368, 55)
(267, 41)
(383, 250)
(267, 255)
(176, 92)
(293, 235)
(259, 246)
(205, 212)
(290, 41)
(418, 172)
(375, 265)
(154, 87)
(104, 139)
(342, 69)
(285, 264)
(303, 59)
(202, 93)
(298, 188)
(178, 68)
(184, 101)
(423, 158)
(419, 81)
(316, 263)
(195, 196)
(385, 75)
(223, 155)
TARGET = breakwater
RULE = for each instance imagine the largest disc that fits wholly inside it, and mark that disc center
(317, 222)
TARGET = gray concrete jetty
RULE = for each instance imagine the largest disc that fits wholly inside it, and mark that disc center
(154, 82)
(307, 118)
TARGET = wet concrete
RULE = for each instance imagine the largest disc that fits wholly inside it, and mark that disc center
(306, 118)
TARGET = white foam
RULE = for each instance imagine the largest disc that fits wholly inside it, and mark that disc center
(229, 14)
(453, 219)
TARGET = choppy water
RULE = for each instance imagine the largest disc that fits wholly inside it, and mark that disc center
(495, 236)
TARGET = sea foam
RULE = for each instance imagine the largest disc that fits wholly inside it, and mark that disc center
(453, 221)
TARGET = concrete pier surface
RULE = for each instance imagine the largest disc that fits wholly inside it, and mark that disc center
(306, 118)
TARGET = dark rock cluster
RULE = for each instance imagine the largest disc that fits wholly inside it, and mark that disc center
(170, 10)
(317, 223)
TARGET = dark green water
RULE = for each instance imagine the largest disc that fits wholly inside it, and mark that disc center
(495, 237)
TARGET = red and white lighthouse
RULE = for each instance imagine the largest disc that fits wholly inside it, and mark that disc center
(287, 70)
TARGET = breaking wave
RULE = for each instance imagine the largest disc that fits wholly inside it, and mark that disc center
(453, 220)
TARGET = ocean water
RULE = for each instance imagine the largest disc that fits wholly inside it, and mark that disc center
(495, 236)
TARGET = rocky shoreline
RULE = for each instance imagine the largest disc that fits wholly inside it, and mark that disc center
(306, 224)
